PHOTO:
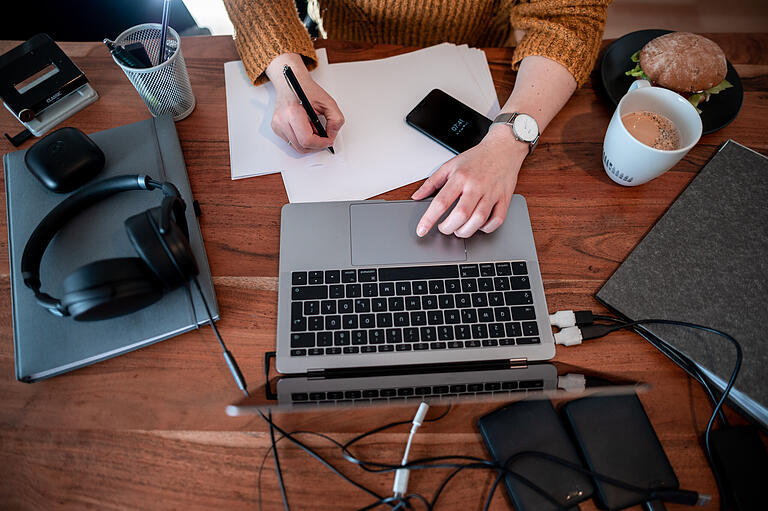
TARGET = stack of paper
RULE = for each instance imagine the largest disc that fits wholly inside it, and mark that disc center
(376, 150)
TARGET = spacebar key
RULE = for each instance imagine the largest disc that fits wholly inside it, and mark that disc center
(450, 271)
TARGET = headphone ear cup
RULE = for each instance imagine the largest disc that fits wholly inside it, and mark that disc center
(168, 255)
(110, 288)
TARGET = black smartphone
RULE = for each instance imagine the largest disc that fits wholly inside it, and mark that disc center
(617, 439)
(448, 121)
(535, 426)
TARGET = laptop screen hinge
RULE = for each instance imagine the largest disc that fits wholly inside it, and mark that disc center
(518, 363)
(315, 374)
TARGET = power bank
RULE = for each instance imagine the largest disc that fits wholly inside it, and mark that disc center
(617, 439)
(535, 426)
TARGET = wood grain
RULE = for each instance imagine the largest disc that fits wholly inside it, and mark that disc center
(148, 429)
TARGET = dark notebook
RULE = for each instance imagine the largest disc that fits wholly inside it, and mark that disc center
(706, 261)
(45, 345)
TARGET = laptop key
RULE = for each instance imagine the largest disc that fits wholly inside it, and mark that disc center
(387, 288)
(359, 337)
(487, 270)
(368, 275)
(396, 304)
(315, 351)
(436, 287)
(445, 333)
(411, 334)
(336, 291)
(418, 318)
(386, 347)
(309, 292)
(479, 300)
(479, 331)
(348, 276)
(332, 276)
(370, 290)
(469, 270)
(501, 314)
(401, 319)
(485, 315)
(345, 306)
(519, 283)
(298, 352)
(506, 342)
(462, 331)
(463, 300)
(530, 328)
(523, 313)
(328, 306)
(311, 308)
(453, 286)
(528, 340)
(384, 320)
(315, 277)
(353, 290)
(341, 338)
(412, 303)
(367, 349)
(518, 298)
(351, 349)
(469, 316)
(403, 288)
(394, 335)
(435, 317)
(420, 346)
(429, 302)
(469, 285)
(324, 338)
(299, 396)
(367, 321)
(297, 311)
(485, 284)
(495, 299)
(332, 351)
(362, 305)
(299, 324)
(503, 269)
(490, 342)
(513, 329)
(332, 322)
(420, 287)
(305, 340)
(349, 321)
(428, 334)
(455, 344)
(496, 330)
(452, 316)
(519, 268)
(446, 301)
(316, 323)
(501, 283)
(376, 337)
(299, 278)
(403, 347)
(379, 304)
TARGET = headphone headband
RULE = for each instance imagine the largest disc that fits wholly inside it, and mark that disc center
(71, 207)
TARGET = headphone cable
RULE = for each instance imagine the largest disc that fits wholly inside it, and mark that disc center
(228, 357)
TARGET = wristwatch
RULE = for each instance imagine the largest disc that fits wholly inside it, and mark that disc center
(524, 127)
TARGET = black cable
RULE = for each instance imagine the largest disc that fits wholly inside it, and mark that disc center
(492, 491)
(595, 331)
(277, 463)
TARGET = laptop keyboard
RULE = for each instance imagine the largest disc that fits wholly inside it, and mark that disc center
(411, 308)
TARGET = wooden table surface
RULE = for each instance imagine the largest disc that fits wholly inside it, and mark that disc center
(148, 429)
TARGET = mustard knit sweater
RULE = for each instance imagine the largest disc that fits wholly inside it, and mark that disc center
(567, 31)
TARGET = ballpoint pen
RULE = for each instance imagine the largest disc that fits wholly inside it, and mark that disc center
(303, 101)
(164, 31)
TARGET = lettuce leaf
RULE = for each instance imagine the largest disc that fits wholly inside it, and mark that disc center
(637, 72)
(704, 95)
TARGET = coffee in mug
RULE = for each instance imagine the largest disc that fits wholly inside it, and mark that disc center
(653, 130)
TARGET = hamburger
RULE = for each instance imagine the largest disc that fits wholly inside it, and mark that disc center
(689, 64)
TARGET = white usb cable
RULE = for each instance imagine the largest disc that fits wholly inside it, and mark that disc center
(401, 475)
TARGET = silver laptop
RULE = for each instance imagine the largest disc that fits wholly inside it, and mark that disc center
(358, 288)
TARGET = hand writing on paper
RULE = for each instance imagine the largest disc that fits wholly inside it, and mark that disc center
(289, 120)
(482, 178)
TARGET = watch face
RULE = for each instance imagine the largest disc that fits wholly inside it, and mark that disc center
(525, 127)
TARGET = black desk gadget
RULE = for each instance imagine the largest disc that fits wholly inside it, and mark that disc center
(41, 86)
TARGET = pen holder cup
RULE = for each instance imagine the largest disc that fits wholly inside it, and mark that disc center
(164, 87)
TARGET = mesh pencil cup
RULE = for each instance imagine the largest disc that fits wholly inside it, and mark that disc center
(164, 87)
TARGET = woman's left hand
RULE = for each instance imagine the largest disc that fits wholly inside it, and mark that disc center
(483, 178)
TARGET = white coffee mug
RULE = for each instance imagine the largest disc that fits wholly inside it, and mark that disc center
(628, 161)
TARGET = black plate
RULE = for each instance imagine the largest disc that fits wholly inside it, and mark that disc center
(716, 113)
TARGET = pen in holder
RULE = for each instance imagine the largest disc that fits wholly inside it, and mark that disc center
(164, 87)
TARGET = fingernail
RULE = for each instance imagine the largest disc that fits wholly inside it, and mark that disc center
(421, 231)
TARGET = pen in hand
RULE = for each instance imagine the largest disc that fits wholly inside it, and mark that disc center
(304, 102)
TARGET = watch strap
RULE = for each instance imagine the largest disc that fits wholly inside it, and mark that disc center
(509, 119)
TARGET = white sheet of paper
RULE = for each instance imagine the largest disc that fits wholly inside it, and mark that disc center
(381, 152)
(254, 149)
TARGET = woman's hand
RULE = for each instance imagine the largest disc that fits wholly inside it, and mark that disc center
(482, 178)
(289, 120)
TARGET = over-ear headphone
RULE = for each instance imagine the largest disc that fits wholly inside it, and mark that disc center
(114, 287)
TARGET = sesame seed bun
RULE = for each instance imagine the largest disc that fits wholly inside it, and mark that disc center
(683, 62)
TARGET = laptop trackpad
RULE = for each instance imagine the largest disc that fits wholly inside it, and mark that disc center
(385, 233)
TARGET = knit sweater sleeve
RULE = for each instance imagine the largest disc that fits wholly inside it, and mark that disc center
(566, 31)
(265, 29)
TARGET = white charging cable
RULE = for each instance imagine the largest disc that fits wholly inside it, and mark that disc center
(401, 475)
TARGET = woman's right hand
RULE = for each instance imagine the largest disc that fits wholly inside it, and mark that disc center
(290, 121)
